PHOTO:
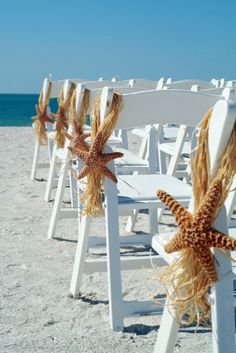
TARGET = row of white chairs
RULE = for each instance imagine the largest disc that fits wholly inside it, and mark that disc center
(153, 108)
(55, 89)
(147, 162)
(57, 86)
(129, 163)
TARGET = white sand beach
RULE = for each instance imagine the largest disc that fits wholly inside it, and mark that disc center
(36, 313)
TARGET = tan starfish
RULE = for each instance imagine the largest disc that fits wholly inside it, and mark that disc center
(95, 161)
(78, 139)
(196, 231)
(61, 118)
(42, 116)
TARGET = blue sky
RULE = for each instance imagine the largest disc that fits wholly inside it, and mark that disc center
(128, 38)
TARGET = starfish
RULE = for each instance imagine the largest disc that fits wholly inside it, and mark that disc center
(42, 116)
(78, 139)
(61, 118)
(196, 231)
(95, 161)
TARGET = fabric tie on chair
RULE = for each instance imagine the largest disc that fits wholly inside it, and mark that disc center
(42, 117)
(188, 279)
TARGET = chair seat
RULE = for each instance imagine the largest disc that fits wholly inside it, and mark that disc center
(51, 134)
(130, 161)
(115, 140)
(170, 132)
(61, 153)
(232, 232)
(169, 147)
(134, 190)
(158, 243)
(140, 132)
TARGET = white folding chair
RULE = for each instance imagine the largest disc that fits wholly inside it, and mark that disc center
(128, 164)
(173, 142)
(178, 151)
(135, 191)
(222, 309)
(169, 134)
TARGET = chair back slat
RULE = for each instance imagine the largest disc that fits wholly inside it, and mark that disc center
(220, 128)
(57, 86)
(187, 84)
(161, 107)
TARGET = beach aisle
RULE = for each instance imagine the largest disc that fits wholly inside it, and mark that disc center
(36, 313)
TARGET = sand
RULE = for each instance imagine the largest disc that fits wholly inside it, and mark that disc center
(36, 313)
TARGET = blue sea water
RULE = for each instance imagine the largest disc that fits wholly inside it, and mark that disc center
(17, 109)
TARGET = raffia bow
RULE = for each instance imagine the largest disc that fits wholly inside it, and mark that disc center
(95, 161)
(188, 279)
(42, 117)
(62, 116)
(77, 121)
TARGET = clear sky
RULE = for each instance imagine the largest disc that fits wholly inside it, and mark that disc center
(127, 38)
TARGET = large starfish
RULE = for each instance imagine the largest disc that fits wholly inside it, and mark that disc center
(196, 231)
(42, 116)
(95, 161)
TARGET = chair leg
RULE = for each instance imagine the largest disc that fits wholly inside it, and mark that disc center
(35, 160)
(50, 148)
(51, 177)
(124, 136)
(73, 190)
(116, 311)
(153, 221)
(167, 333)
(143, 148)
(162, 162)
(174, 160)
(131, 221)
(81, 251)
(222, 312)
(160, 212)
(58, 200)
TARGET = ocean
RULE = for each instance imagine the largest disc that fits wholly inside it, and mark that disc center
(17, 109)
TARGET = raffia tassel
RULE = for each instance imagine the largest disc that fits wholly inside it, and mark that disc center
(93, 195)
(61, 125)
(41, 118)
(78, 119)
(62, 116)
(40, 133)
(185, 280)
(186, 285)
